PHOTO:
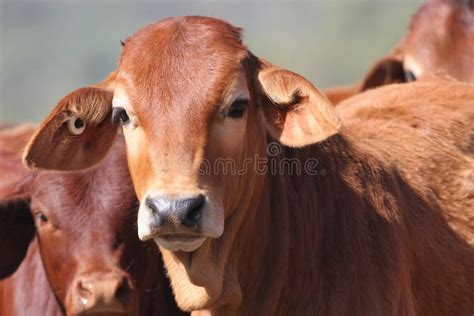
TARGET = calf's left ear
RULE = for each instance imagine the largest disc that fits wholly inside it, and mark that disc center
(294, 111)
(78, 132)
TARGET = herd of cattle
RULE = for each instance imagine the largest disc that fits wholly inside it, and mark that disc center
(388, 229)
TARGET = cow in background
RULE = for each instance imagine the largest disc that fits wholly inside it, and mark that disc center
(440, 40)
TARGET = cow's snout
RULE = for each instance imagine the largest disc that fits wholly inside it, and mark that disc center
(179, 221)
(102, 293)
(175, 222)
(175, 214)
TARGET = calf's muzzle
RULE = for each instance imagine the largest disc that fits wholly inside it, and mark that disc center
(110, 293)
(175, 215)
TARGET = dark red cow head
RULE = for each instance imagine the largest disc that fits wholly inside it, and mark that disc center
(85, 223)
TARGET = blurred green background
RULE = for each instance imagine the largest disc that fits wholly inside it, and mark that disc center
(49, 48)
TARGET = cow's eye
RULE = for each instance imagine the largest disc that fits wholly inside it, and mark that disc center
(409, 76)
(238, 108)
(41, 217)
(119, 115)
(76, 125)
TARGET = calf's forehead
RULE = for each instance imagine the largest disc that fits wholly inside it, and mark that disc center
(104, 192)
(184, 62)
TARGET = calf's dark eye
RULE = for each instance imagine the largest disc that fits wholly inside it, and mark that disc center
(238, 108)
(41, 217)
(119, 115)
(409, 76)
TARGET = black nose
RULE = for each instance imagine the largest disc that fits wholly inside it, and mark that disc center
(178, 212)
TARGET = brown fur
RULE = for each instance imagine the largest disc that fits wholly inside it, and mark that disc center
(90, 233)
(373, 233)
(338, 94)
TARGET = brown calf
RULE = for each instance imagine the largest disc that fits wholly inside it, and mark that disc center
(379, 229)
(440, 39)
(86, 257)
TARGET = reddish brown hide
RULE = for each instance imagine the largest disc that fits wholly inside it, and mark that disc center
(380, 227)
(440, 40)
(85, 257)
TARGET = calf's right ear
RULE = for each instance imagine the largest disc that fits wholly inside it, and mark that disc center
(78, 132)
(294, 112)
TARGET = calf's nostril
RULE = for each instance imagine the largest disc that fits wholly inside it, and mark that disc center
(123, 290)
(193, 210)
(150, 203)
(84, 289)
(195, 214)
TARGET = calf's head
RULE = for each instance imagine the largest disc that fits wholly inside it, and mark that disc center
(190, 97)
(85, 228)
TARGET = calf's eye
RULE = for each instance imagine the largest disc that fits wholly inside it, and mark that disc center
(76, 125)
(41, 217)
(119, 115)
(409, 76)
(238, 108)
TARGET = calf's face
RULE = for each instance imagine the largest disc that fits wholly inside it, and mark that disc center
(84, 223)
(202, 109)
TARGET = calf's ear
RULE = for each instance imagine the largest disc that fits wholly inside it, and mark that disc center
(17, 228)
(294, 111)
(78, 133)
(387, 70)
